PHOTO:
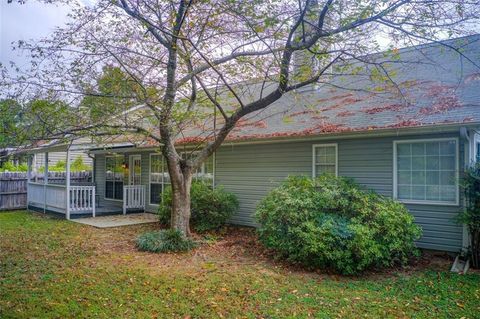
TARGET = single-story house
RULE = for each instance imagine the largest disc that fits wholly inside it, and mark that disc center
(410, 141)
(16, 155)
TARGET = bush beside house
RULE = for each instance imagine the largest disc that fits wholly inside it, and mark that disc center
(471, 216)
(331, 222)
(210, 207)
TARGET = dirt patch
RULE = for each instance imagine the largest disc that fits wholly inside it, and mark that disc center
(229, 249)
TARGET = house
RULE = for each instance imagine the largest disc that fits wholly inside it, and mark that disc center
(410, 141)
(16, 156)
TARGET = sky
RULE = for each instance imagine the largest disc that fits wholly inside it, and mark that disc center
(32, 20)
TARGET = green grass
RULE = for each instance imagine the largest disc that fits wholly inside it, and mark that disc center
(52, 268)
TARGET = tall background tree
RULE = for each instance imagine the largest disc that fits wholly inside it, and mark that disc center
(197, 67)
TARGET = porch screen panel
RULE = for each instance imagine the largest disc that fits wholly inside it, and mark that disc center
(114, 177)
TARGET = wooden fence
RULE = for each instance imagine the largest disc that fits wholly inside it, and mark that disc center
(13, 186)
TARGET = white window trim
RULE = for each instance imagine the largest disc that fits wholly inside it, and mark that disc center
(457, 171)
(476, 143)
(105, 190)
(163, 168)
(150, 177)
(131, 159)
(314, 147)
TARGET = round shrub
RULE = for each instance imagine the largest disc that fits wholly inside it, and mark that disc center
(167, 240)
(210, 207)
(332, 222)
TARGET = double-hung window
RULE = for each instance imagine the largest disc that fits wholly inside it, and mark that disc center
(205, 171)
(477, 155)
(426, 171)
(325, 159)
(160, 179)
(114, 177)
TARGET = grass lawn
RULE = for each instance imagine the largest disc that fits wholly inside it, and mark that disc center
(52, 268)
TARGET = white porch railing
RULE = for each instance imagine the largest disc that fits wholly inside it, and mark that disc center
(133, 197)
(46, 196)
(54, 197)
(82, 198)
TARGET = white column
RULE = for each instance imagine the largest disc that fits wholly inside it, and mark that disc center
(93, 201)
(34, 167)
(67, 185)
(29, 176)
(125, 191)
(45, 182)
(29, 169)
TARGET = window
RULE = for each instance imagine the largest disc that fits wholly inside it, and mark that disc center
(426, 171)
(477, 158)
(325, 159)
(159, 177)
(205, 172)
(114, 177)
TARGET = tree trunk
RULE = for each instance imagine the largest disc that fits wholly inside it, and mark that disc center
(180, 218)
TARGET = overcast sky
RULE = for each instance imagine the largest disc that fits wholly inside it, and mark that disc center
(31, 20)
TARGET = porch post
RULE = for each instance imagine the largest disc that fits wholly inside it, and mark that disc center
(45, 182)
(93, 201)
(29, 176)
(67, 184)
(34, 167)
(29, 168)
(124, 200)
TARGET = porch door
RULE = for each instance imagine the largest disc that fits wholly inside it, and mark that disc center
(135, 174)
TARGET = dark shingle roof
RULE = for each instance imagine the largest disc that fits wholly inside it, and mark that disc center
(434, 85)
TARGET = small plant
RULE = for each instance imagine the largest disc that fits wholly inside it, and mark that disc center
(210, 207)
(167, 240)
(471, 216)
(77, 165)
(331, 222)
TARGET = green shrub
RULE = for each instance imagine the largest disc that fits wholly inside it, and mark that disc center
(332, 222)
(168, 240)
(471, 216)
(210, 207)
(10, 167)
(77, 165)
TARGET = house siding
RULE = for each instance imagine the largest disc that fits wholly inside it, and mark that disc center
(55, 157)
(100, 183)
(100, 179)
(251, 171)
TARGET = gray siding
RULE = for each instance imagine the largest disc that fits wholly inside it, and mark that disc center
(100, 183)
(250, 171)
(54, 157)
(100, 180)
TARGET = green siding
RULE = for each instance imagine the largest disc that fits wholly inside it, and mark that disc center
(251, 171)
(100, 183)
(100, 180)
